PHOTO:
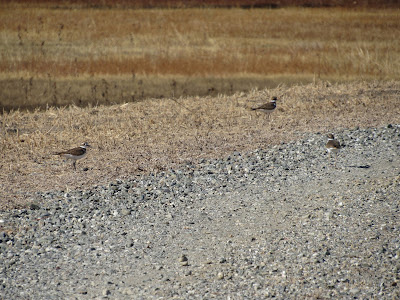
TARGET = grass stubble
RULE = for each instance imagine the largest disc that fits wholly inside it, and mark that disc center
(152, 135)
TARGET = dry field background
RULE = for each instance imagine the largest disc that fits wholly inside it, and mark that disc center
(135, 4)
(153, 135)
(61, 56)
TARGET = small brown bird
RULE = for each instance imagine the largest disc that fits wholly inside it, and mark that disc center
(75, 153)
(267, 107)
(333, 146)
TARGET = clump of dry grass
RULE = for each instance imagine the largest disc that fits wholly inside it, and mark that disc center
(156, 135)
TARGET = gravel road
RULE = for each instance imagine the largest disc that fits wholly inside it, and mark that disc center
(280, 222)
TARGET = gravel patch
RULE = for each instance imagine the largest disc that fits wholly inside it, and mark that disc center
(280, 222)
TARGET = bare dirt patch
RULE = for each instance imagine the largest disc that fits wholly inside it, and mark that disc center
(155, 135)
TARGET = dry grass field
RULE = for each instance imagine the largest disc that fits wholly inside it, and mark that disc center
(70, 60)
(61, 56)
(153, 135)
(138, 4)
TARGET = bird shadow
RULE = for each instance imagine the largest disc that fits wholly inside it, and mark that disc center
(360, 167)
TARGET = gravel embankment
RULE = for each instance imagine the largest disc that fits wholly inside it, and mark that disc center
(281, 223)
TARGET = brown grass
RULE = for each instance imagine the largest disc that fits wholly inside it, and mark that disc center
(137, 4)
(200, 42)
(95, 44)
(154, 135)
(61, 56)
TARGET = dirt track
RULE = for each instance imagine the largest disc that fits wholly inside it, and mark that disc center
(278, 223)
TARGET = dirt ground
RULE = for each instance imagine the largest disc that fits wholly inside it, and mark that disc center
(155, 135)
